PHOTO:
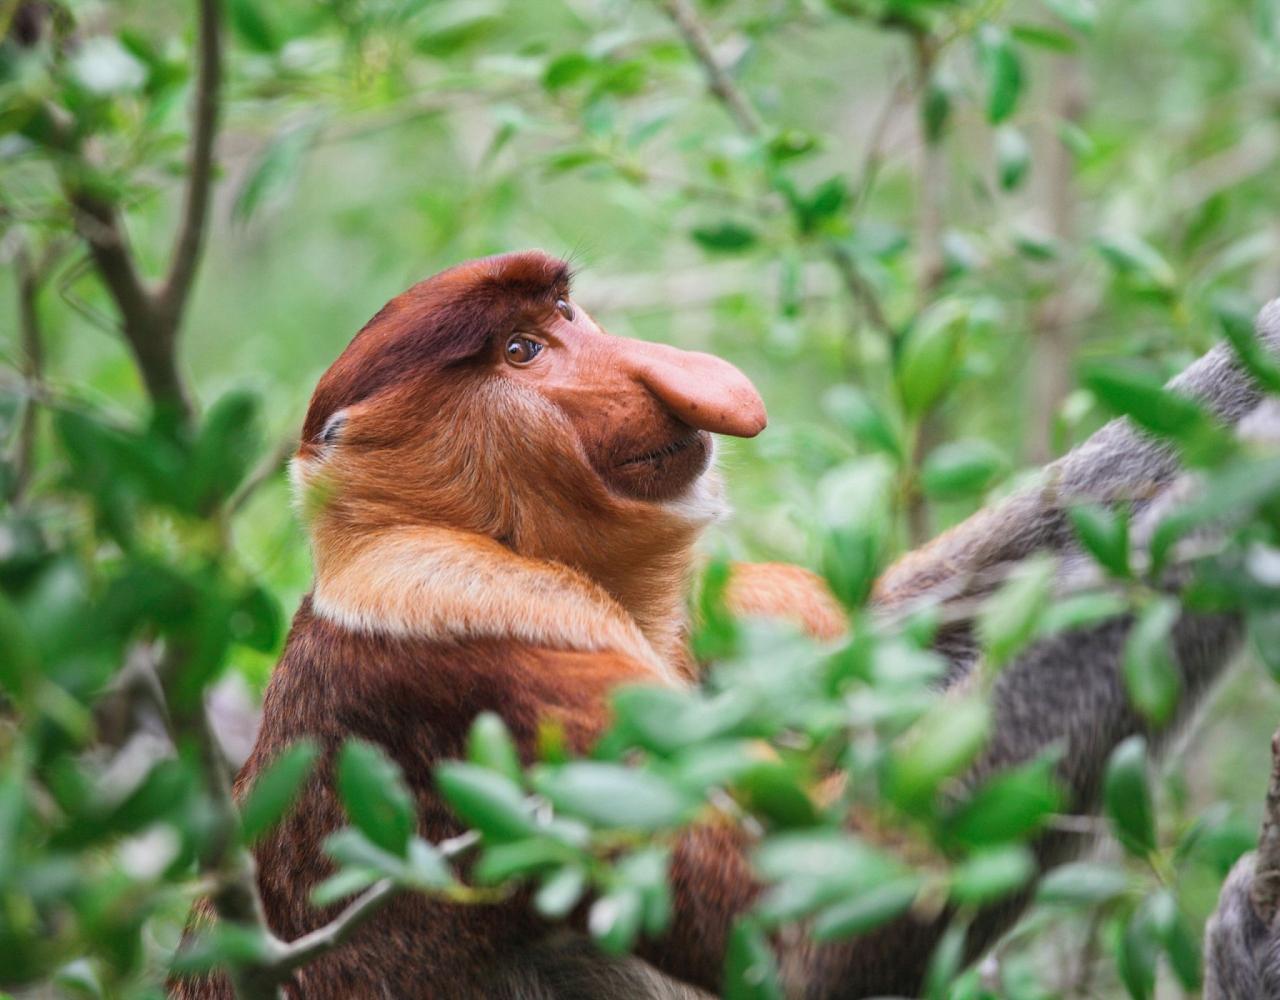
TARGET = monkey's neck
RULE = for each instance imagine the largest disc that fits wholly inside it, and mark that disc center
(654, 595)
(445, 585)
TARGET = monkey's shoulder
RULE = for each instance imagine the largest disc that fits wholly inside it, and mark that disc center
(333, 681)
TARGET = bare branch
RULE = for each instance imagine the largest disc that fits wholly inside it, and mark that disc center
(309, 947)
(176, 289)
(859, 288)
(1054, 347)
(739, 107)
(932, 183)
(931, 267)
(30, 277)
(719, 82)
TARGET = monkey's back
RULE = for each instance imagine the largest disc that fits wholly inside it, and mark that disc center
(417, 699)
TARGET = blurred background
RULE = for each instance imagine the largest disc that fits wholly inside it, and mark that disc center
(908, 221)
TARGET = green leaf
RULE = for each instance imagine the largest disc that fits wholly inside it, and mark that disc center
(992, 874)
(1077, 611)
(343, 885)
(427, 868)
(517, 858)
(560, 892)
(1264, 636)
(1105, 534)
(568, 69)
(1082, 15)
(852, 408)
(274, 171)
(961, 469)
(614, 919)
(1180, 942)
(1141, 397)
(1136, 954)
(1008, 807)
(374, 795)
(1010, 618)
(936, 104)
(1001, 72)
(1044, 38)
(1150, 670)
(867, 910)
(774, 791)
(611, 795)
(255, 620)
(945, 962)
(489, 744)
(941, 745)
(1126, 796)
(20, 662)
(725, 237)
(104, 67)
(1013, 157)
(486, 800)
(274, 790)
(353, 849)
(850, 562)
(1138, 260)
(1082, 883)
(751, 969)
(1235, 317)
(250, 23)
(229, 441)
(930, 350)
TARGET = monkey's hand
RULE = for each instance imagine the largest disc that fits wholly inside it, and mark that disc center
(1241, 953)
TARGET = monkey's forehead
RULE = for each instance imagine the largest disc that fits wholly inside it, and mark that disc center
(448, 318)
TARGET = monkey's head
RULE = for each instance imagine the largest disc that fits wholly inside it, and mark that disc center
(485, 399)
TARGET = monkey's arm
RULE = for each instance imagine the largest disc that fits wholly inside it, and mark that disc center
(1117, 464)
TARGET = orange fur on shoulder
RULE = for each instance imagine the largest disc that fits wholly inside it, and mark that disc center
(787, 593)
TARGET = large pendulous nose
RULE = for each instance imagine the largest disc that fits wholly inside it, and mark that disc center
(702, 390)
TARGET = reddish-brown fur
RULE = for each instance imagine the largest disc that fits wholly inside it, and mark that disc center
(482, 543)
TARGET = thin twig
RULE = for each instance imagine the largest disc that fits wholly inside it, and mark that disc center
(719, 82)
(309, 947)
(275, 460)
(931, 272)
(738, 106)
(150, 320)
(1054, 346)
(173, 294)
(30, 277)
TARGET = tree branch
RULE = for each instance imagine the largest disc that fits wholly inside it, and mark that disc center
(30, 277)
(309, 947)
(173, 294)
(1053, 346)
(735, 102)
(931, 271)
(738, 106)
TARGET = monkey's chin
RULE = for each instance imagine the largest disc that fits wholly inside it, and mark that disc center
(666, 473)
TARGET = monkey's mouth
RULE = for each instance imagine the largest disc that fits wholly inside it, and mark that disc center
(662, 473)
(666, 451)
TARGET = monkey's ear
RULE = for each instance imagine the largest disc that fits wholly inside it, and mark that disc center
(331, 433)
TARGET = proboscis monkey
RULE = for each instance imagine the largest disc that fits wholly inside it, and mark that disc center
(503, 502)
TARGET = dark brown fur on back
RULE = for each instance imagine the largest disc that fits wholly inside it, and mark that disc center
(417, 700)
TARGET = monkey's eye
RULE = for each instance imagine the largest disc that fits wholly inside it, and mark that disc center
(521, 349)
(564, 309)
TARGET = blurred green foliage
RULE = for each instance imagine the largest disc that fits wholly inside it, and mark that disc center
(911, 222)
